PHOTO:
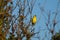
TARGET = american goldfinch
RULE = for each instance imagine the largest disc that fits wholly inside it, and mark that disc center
(34, 19)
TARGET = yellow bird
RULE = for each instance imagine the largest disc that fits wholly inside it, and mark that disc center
(34, 20)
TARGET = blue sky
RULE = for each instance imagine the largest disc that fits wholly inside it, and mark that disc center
(50, 5)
